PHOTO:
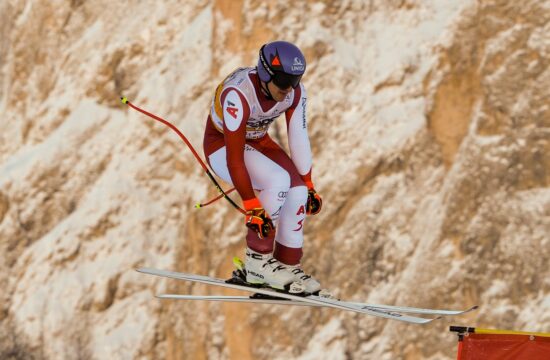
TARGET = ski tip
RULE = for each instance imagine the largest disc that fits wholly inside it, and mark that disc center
(198, 205)
(124, 99)
(143, 270)
(427, 321)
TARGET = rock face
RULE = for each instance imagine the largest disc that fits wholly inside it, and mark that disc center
(430, 127)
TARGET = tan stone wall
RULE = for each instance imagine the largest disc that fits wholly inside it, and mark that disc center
(430, 127)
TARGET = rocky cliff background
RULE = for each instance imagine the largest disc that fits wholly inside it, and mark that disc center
(430, 127)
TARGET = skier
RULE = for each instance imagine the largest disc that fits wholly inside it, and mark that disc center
(276, 190)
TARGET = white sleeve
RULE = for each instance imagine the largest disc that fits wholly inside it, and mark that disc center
(298, 140)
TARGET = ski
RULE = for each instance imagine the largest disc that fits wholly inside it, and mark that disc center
(275, 301)
(241, 299)
(310, 299)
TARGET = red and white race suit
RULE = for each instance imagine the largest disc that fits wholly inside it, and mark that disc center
(240, 151)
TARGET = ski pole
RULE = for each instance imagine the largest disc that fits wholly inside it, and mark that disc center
(200, 205)
(124, 100)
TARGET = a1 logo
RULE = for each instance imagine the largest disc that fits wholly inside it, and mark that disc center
(232, 110)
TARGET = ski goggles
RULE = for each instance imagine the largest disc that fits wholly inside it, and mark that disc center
(284, 81)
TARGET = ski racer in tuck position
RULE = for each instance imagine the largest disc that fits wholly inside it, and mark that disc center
(276, 189)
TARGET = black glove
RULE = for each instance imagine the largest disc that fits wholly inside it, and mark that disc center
(314, 202)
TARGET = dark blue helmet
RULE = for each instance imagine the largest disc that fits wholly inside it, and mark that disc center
(281, 62)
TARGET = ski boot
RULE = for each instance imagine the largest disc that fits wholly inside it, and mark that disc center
(311, 285)
(262, 270)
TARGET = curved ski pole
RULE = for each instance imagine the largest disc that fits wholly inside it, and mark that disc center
(124, 100)
(200, 205)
